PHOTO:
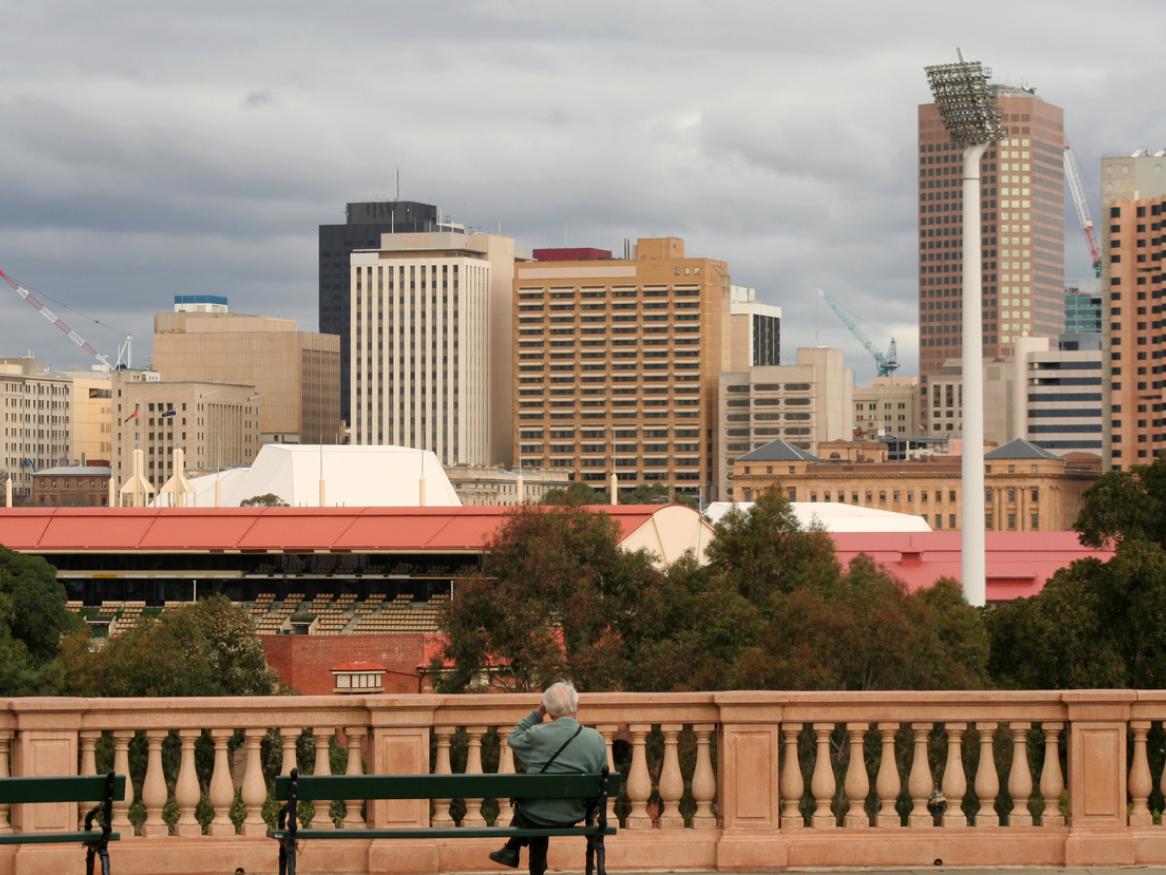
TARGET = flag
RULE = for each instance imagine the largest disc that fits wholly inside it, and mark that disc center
(133, 415)
(27, 463)
(170, 412)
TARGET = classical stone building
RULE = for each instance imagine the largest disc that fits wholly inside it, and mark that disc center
(484, 485)
(888, 406)
(1027, 488)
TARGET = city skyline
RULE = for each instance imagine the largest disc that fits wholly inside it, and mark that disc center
(199, 152)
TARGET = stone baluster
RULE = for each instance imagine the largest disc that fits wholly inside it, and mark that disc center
(1140, 783)
(1052, 782)
(639, 781)
(254, 792)
(222, 788)
(857, 783)
(322, 808)
(1020, 776)
(186, 789)
(792, 783)
(89, 739)
(506, 767)
(154, 786)
(822, 783)
(987, 781)
(121, 765)
(474, 735)
(609, 739)
(887, 780)
(289, 737)
(919, 780)
(5, 749)
(955, 782)
(353, 817)
(441, 815)
(671, 784)
(704, 782)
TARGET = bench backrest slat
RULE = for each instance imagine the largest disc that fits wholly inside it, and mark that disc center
(83, 788)
(561, 786)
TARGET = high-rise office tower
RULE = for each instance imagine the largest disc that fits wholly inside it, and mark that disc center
(1022, 219)
(364, 225)
(1133, 286)
(1082, 311)
(616, 364)
(755, 326)
(431, 345)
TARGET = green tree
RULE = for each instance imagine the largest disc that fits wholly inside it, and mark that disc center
(208, 648)
(33, 617)
(268, 499)
(574, 494)
(645, 493)
(552, 601)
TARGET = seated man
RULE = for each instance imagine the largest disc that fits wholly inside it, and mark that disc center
(562, 746)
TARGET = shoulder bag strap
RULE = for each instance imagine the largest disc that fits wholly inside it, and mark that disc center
(547, 764)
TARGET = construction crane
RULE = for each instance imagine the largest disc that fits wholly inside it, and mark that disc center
(124, 351)
(886, 363)
(1073, 177)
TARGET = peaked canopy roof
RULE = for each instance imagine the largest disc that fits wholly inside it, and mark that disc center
(778, 451)
(1020, 449)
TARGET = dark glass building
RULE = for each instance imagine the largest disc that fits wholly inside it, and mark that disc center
(365, 224)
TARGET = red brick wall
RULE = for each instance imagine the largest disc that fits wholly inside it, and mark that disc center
(304, 662)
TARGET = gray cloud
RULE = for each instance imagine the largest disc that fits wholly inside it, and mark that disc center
(779, 137)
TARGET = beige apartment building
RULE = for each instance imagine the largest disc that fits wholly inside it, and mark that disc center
(1027, 489)
(92, 427)
(215, 424)
(1022, 218)
(1132, 232)
(804, 403)
(431, 345)
(35, 415)
(617, 362)
(889, 405)
(297, 373)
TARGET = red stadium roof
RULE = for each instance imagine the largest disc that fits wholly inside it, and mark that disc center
(387, 529)
(1018, 563)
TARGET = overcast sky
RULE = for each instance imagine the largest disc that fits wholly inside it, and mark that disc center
(148, 149)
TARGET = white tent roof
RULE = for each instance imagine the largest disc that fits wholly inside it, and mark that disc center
(354, 476)
(835, 517)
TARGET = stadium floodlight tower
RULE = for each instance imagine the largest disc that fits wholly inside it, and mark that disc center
(972, 118)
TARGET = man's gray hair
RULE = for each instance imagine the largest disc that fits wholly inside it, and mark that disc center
(561, 698)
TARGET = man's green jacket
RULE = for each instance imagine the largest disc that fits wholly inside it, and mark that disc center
(535, 742)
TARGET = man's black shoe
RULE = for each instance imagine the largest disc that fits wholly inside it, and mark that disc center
(506, 856)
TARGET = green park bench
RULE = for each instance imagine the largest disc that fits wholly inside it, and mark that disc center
(86, 788)
(295, 788)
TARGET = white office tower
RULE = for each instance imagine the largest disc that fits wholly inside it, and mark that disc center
(431, 325)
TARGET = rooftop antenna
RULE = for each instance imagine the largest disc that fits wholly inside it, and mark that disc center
(398, 182)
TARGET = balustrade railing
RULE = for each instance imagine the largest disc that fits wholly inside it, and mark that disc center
(711, 780)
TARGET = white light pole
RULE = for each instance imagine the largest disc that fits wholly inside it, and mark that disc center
(972, 118)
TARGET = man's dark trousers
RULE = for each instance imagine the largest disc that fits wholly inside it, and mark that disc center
(537, 864)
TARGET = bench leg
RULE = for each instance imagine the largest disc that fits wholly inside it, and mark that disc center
(287, 857)
(89, 852)
(600, 856)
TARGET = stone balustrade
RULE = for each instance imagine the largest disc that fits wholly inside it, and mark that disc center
(735, 780)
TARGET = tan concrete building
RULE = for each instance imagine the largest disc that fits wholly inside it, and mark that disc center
(215, 424)
(92, 425)
(1133, 206)
(617, 362)
(1022, 218)
(480, 485)
(1026, 488)
(945, 398)
(35, 418)
(431, 350)
(297, 373)
(804, 403)
(889, 405)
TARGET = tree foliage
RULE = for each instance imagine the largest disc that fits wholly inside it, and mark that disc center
(268, 499)
(208, 648)
(575, 494)
(771, 610)
(33, 617)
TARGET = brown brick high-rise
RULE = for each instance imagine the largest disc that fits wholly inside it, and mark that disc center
(1022, 220)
